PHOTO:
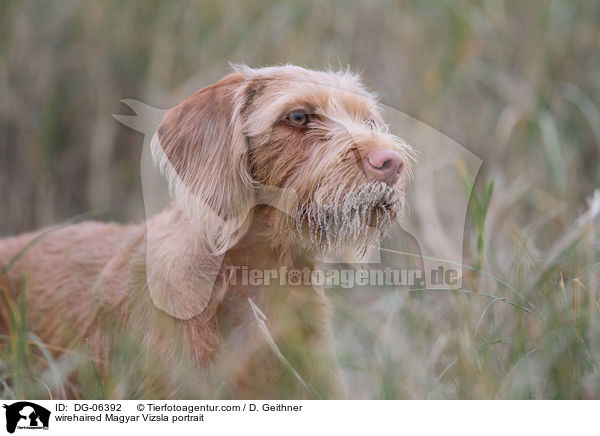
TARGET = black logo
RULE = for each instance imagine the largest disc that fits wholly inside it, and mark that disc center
(26, 415)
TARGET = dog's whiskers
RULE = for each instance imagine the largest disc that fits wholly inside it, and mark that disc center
(357, 216)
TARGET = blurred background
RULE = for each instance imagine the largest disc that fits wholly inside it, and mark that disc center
(517, 83)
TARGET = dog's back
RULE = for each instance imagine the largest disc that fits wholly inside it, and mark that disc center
(51, 266)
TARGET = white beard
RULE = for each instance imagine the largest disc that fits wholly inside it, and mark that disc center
(356, 217)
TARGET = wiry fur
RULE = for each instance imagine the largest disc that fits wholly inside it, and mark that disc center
(356, 217)
(229, 156)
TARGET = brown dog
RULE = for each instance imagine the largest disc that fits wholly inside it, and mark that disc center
(269, 168)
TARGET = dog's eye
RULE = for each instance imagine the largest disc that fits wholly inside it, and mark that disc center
(371, 124)
(298, 117)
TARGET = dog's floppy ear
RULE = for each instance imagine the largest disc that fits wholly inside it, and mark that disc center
(201, 149)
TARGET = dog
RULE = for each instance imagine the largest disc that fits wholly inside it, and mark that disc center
(268, 168)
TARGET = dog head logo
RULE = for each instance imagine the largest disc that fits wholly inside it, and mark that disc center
(26, 415)
(319, 148)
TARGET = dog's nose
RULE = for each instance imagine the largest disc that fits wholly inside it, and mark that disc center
(384, 165)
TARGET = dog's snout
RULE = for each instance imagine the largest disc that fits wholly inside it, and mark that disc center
(384, 165)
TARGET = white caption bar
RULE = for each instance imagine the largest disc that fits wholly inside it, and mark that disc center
(297, 417)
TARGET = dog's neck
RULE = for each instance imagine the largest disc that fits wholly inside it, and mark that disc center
(272, 245)
(175, 253)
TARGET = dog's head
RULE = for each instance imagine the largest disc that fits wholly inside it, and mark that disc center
(317, 135)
